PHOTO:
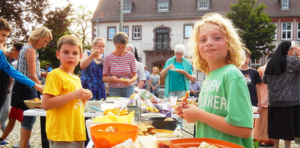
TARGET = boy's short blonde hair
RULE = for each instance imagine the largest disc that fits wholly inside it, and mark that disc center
(69, 39)
(234, 43)
(39, 33)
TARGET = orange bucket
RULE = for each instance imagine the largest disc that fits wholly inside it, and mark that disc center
(195, 142)
(103, 139)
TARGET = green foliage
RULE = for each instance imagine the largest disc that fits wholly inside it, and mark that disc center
(256, 28)
(58, 23)
(81, 25)
(23, 13)
(43, 63)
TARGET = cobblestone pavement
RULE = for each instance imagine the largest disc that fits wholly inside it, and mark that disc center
(35, 139)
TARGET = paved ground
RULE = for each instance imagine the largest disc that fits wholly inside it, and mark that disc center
(35, 139)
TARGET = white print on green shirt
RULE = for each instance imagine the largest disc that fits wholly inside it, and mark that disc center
(211, 86)
(210, 100)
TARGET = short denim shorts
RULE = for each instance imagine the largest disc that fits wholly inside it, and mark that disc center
(121, 91)
(28, 121)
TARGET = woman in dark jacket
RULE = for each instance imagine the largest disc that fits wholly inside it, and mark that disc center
(281, 76)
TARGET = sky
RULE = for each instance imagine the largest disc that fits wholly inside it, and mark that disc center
(91, 4)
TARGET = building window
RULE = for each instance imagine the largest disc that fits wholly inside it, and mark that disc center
(126, 30)
(111, 32)
(162, 39)
(187, 31)
(126, 8)
(286, 33)
(254, 63)
(163, 6)
(298, 31)
(285, 4)
(203, 4)
(137, 32)
(275, 35)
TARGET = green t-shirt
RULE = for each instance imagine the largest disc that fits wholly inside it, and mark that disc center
(225, 93)
(177, 82)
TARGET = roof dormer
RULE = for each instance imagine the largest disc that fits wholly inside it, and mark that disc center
(203, 5)
(127, 6)
(285, 4)
(163, 5)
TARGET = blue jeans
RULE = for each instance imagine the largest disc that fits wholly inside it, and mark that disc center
(28, 121)
(121, 91)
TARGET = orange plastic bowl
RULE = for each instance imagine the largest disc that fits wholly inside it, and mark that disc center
(103, 139)
(195, 142)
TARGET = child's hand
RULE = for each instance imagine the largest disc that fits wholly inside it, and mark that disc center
(190, 113)
(179, 109)
(39, 87)
(84, 94)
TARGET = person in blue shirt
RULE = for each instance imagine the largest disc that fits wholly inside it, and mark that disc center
(48, 68)
(5, 30)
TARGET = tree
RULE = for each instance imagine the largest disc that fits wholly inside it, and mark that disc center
(81, 25)
(58, 23)
(22, 16)
(256, 28)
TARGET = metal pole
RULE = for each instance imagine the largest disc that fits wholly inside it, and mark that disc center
(121, 16)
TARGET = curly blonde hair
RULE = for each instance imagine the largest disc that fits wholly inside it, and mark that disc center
(39, 33)
(236, 55)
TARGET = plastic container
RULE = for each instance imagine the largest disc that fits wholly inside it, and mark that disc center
(195, 142)
(89, 104)
(103, 139)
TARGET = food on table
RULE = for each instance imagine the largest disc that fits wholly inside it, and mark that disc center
(132, 96)
(140, 133)
(152, 132)
(163, 144)
(34, 100)
(37, 100)
(150, 128)
(206, 145)
(146, 130)
(187, 94)
(169, 119)
(123, 79)
(111, 129)
(151, 110)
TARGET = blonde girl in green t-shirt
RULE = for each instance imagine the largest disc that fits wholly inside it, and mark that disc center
(223, 111)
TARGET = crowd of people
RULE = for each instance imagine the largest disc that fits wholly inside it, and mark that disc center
(225, 100)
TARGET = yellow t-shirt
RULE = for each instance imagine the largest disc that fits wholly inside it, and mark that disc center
(65, 123)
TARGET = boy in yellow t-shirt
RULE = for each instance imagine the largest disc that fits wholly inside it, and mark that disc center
(64, 98)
